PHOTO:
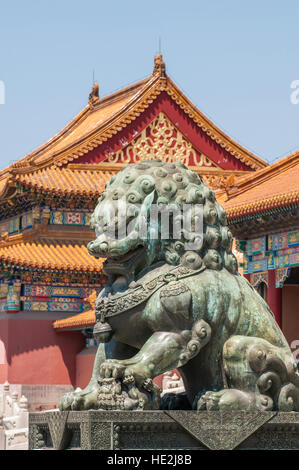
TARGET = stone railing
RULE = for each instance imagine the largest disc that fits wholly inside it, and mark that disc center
(13, 420)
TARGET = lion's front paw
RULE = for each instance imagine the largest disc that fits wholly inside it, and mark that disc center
(128, 374)
(66, 401)
(123, 394)
(83, 400)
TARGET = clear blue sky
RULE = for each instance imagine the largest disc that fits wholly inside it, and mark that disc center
(234, 59)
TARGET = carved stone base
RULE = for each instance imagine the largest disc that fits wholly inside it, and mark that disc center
(163, 430)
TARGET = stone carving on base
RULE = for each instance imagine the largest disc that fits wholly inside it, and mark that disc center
(178, 302)
(198, 430)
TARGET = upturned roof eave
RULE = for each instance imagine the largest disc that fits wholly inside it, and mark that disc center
(264, 174)
(21, 167)
(145, 86)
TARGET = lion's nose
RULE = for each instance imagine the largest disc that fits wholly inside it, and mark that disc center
(96, 249)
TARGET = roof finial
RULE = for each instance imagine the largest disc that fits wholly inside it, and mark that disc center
(94, 94)
(159, 66)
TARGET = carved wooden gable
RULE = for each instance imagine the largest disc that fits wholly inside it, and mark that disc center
(161, 139)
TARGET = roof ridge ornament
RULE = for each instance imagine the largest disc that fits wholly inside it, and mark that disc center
(94, 94)
(159, 66)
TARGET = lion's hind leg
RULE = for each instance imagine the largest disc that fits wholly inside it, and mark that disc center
(258, 375)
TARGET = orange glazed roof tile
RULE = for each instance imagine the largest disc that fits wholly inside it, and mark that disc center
(76, 321)
(272, 187)
(66, 180)
(50, 254)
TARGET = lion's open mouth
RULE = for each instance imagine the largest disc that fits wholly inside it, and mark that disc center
(127, 265)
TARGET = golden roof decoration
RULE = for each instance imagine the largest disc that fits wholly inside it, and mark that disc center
(161, 139)
(94, 95)
(159, 66)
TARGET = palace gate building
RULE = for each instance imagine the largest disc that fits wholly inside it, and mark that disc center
(263, 214)
(48, 279)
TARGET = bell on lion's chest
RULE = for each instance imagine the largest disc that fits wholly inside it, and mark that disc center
(102, 332)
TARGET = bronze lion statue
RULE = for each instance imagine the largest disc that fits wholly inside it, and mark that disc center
(178, 302)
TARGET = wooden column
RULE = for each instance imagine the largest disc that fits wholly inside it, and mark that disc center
(274, 297)
(13, 301)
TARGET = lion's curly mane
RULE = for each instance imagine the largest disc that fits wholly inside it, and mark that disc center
(173, 183)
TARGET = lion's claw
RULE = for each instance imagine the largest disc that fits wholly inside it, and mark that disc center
(129, 379)
(112, 368)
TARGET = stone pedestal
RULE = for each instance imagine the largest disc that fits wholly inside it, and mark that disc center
(163, 430)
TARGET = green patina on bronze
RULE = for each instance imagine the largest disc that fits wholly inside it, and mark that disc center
(166, 307)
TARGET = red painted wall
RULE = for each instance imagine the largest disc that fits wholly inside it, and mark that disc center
(290, 311)
(274, 297)
(36, 354)
(84, 366)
